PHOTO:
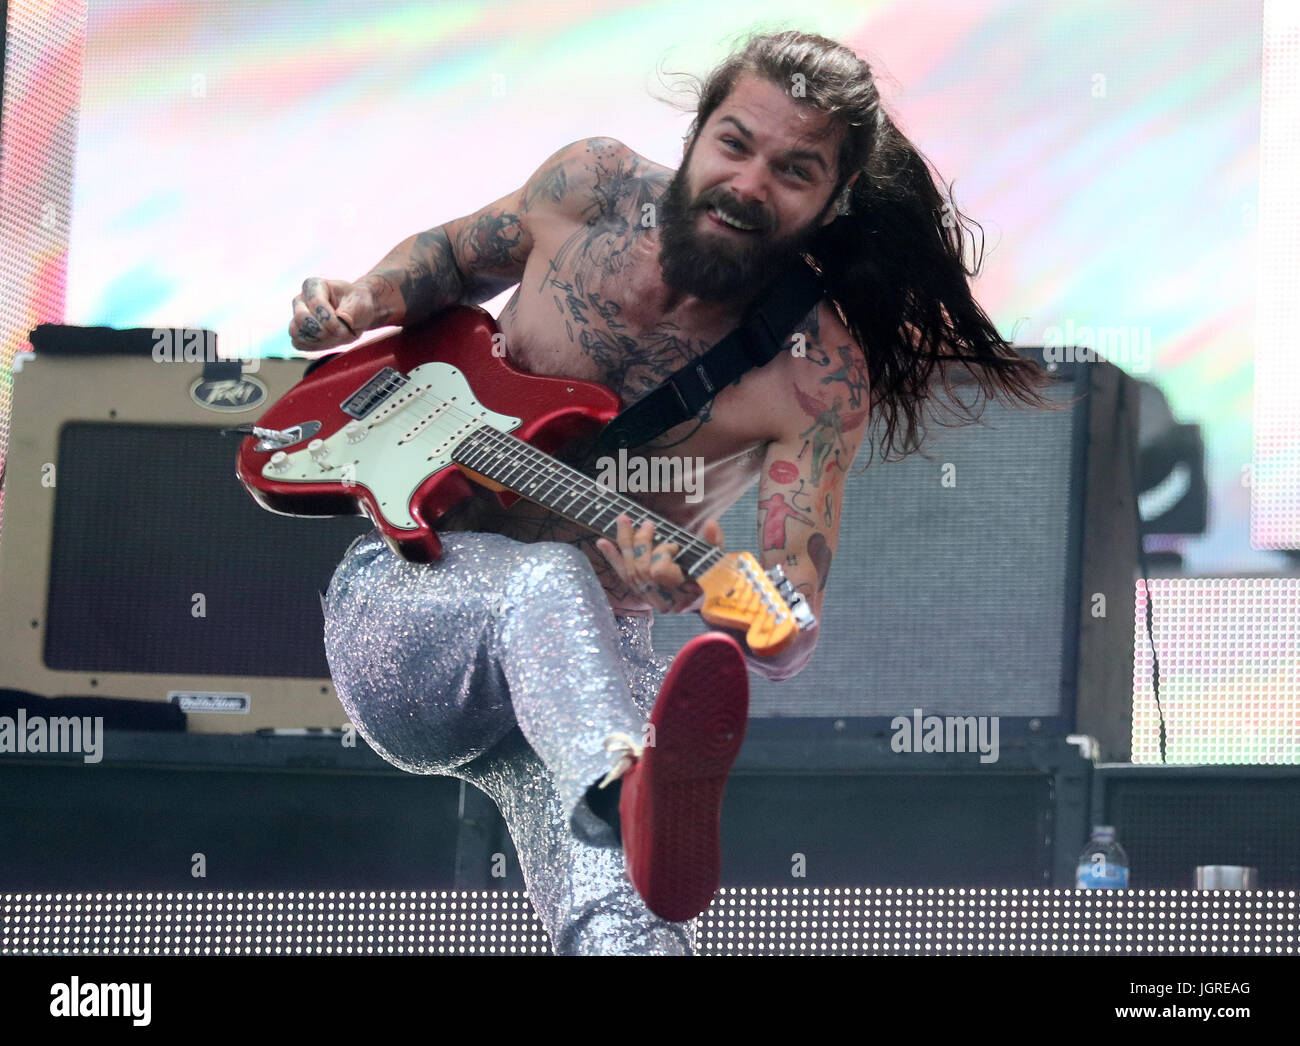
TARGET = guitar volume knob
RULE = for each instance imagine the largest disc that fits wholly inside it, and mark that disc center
(279, 461)
(354, 431)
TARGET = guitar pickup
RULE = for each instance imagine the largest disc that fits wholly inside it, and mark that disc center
(373, 393)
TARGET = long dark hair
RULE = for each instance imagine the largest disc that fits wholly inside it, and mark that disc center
(894, 259)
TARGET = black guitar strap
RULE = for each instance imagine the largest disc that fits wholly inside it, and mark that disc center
(761, 335)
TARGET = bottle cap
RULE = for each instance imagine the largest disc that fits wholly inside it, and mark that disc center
(1103, 831)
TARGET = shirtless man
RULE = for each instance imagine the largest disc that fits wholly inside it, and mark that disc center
(495, 664)
(606, 295)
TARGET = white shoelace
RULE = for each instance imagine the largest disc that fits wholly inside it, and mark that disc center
(629, 752)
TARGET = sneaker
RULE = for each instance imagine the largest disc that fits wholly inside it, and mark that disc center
(671, 804)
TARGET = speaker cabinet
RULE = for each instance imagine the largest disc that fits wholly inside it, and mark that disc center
(135, 565)
(1172, 819)
(990, 575)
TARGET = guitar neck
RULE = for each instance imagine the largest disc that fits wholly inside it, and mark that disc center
(577, 497)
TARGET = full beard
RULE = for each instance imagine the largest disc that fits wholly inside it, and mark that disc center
(718, 267)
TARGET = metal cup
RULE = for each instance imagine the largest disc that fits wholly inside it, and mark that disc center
(1226, 877)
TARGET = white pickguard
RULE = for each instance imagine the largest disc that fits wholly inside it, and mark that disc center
(400, 445)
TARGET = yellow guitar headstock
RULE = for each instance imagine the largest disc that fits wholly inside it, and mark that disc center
(739, 594)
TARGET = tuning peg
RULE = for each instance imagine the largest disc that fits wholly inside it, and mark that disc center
(801, 611)
(794, 599)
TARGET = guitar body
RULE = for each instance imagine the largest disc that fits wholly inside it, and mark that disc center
(379, 422)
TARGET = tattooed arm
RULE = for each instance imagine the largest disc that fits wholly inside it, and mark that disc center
(469, 259)
(801, 486)
(475, 258)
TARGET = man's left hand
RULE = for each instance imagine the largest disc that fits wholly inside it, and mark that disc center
(651, 571)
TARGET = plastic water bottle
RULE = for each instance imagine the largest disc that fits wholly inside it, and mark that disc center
(1103, 865)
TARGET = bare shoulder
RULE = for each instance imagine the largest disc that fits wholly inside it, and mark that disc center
(593, 180)
(825, 372)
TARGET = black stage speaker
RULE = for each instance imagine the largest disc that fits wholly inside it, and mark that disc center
(993, 576)
(1172, 819)
(298, 813)
(173, 811)
(134, 564)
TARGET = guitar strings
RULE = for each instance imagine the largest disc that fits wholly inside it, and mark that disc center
(665, 528)
(514, 443)
(539, 464)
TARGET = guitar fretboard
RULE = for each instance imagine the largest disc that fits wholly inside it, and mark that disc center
(574, 495)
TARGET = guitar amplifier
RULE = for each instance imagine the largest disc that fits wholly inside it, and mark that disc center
(990, 576)
(134, 564)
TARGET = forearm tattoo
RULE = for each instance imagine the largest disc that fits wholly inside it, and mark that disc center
(412, 284)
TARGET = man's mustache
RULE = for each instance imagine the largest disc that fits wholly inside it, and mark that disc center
(734, 209)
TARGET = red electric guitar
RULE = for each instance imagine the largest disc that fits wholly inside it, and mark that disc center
(397, 428)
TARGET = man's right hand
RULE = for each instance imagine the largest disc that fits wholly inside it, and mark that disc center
(324, 312)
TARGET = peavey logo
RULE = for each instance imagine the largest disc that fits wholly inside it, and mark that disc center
(229, 394)
(208, 701)
(101, 1000)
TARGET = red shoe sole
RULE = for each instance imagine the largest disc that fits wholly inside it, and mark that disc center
(671, 801)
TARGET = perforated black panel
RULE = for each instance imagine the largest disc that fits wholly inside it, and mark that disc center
(1172, 822)
(162, 562)
(949, 598)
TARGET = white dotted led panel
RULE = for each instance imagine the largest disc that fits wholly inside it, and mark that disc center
(750, 921)
(1229, 653)
(42, 88)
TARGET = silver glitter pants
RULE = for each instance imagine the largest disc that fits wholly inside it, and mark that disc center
(502, 664)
